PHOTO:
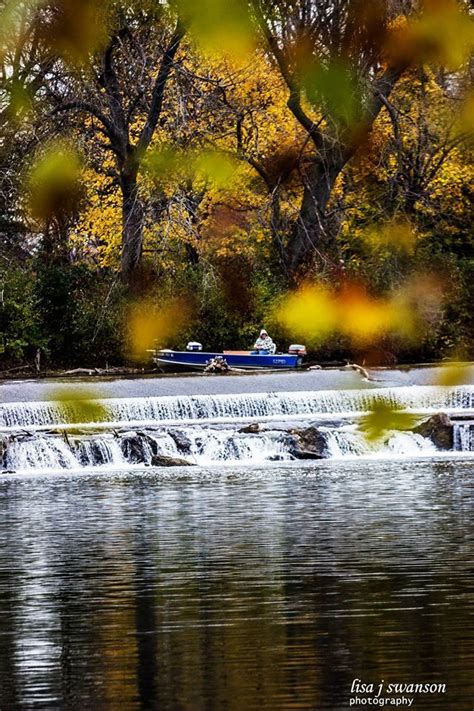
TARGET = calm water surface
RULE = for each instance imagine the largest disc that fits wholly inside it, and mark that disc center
(236, 589)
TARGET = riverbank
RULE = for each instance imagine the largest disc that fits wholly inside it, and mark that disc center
(158, 385)
(28, 372)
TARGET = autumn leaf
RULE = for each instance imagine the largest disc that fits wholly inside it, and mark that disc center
(396, 236)
(335, 89)
(150, 324)
(442, 34)
(77, 29)
(54, 182)
(452, 374)
(309, 313)
(214, 166)
(314, 313)
(384, 417)
(20, 100)
(80, 406)
(220, 27)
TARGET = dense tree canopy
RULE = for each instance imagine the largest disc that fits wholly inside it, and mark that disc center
(219, 156)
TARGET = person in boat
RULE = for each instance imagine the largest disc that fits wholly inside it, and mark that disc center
(265, 343)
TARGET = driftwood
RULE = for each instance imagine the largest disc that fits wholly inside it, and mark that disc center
(81, 371)
(16, 369)
(101, 371)
(217, 365)
(359, 369)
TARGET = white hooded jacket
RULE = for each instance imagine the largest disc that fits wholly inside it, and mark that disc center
(265, 343)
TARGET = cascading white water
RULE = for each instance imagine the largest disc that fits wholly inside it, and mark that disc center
(247, 406)
(98, 451)
(349, 441)
(205, 447)
(179, 428)
(463, 436)
(40, 453)
(228, 445)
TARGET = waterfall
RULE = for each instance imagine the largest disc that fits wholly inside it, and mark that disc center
(349, 441)
(98, 451)
(247, 406)
(206, 430)
(463, 435)
(206, 446)
(228, 445)
(40, 453)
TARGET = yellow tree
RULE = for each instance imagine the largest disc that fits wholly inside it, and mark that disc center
(340, 61)
(114, 79)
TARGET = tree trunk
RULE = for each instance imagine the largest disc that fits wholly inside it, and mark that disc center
(311, 238)
(277, 225)
(132, 227)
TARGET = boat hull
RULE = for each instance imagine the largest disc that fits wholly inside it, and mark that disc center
(197, 360)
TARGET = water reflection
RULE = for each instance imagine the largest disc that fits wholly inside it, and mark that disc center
(268, 590)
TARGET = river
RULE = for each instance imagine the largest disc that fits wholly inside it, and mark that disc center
(243, 582)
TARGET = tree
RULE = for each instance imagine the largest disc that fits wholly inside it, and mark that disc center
(122, 89)
(23, 67)
(330, 54)
(416, 171)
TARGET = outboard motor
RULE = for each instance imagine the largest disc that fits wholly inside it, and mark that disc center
(194, 346)
(297, 349)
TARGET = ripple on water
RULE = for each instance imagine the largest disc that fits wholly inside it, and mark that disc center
(266, 589)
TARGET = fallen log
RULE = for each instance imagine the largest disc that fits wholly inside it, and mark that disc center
(81, 371)
(16, 369)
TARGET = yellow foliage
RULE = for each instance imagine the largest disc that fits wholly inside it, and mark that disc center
(383, 418)
(54, 182)
(151, 323)
(314, 312)
(98, 232)
(80, 406)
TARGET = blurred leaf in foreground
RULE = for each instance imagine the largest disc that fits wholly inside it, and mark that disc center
(12, 13)
(335, 89)
(452, 374)
(162, 163)
(151, 324)
(443, 33)
(309, 313)
(383, 418)
(366, 319)
(421, 299)
(220, 27)
(76, 28)
(20, 100)
(168, 163)
(80, 406)
(395, 236)
(466, 116)
(214, 167)
(314, 312)
(54, 182)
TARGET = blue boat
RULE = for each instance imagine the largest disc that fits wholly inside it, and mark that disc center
(168, 359)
